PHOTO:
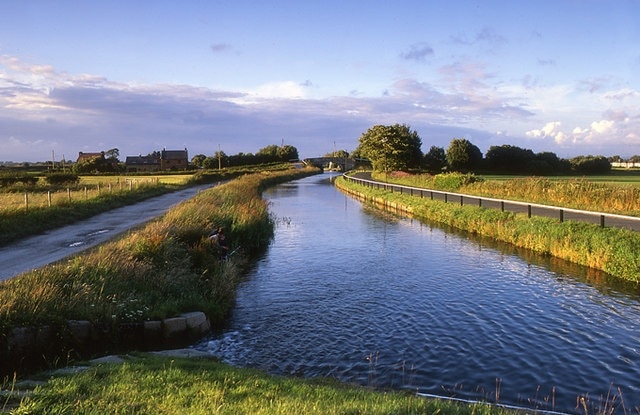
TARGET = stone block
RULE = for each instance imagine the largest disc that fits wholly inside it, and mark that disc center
(174, 328)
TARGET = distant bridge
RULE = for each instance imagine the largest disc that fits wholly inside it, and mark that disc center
(342, 163)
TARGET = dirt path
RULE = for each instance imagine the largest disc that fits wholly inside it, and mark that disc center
(37, 251)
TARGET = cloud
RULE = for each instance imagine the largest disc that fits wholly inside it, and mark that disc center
(43, 110)
(618, 129)
(546, 62)
(418, 52)
(486, 35)
(220, 47)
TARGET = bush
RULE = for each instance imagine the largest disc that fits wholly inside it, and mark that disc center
(10, 179)
(60, 178)
(454, 181)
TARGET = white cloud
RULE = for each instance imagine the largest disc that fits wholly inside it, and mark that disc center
(80, 112)
(602, 126)
(285, 89)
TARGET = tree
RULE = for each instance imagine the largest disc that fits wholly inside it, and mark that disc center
(337, 153)
(391, 147)
(435, 160)
(210, 163)
(274, 153)
(509, 159)
(198, 159)
(590, 164)
(287, 152)
(463, 156)
(112, 154)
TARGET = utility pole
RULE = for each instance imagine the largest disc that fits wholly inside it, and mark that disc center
(219, 158)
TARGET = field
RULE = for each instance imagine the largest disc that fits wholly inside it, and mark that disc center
(89, 187)
(621, 177)
(618, 192)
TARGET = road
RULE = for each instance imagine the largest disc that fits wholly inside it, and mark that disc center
(51, 246)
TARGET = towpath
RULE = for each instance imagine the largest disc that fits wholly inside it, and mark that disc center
(51, 246)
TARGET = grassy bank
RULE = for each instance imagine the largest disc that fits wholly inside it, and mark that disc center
(188, 386)
(615, 251)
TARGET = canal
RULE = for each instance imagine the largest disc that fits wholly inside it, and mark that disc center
(367, 297)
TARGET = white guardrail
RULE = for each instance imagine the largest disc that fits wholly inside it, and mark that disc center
(562, 213)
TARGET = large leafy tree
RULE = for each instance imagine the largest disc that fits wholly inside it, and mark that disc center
(435, 160)
(463, 156)
(391, 147)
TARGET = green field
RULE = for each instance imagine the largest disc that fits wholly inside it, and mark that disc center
(616, 177)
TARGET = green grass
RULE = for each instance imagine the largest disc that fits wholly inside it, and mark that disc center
(152, 385)
(587, 193)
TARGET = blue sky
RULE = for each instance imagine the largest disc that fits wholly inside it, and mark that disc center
(559, 76)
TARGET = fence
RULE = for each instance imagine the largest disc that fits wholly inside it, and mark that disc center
(26, 200)
(561, 213)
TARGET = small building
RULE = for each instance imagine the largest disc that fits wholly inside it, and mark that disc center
(174, 159)
(89, 156)
(159, 161)
(149, 163)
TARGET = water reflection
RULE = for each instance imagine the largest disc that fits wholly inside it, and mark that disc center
(368, 297)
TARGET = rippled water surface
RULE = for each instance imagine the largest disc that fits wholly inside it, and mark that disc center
(348, 292)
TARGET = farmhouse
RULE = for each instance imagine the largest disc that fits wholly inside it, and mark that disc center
(89, 156)
(142, 163)
(159, 161)
(174, 159)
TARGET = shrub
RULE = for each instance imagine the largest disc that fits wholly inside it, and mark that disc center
(60, 178)
(454, 181)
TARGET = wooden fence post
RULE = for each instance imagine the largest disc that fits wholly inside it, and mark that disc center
(26, 201)
(49, 197)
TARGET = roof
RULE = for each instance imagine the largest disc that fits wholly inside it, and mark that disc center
(89, 156)
(174, 154)
(142, 160)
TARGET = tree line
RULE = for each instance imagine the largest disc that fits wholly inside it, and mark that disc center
(398, 148)
(269, 154)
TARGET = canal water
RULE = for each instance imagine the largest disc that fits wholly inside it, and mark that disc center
(367, 297)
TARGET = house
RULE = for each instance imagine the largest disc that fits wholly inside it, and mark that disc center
(142, 163)
(159, 161)
(89, 156)
(174, 159)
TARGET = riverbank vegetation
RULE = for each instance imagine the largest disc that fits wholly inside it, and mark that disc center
(613, 250)
(146, 385)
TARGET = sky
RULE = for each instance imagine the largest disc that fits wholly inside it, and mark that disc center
(89, 76)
